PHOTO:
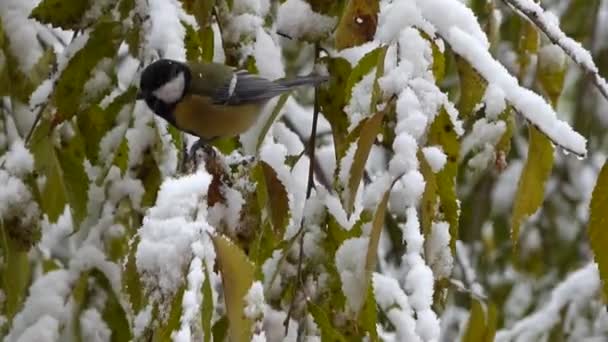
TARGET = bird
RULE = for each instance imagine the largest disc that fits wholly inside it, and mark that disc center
(211, 100)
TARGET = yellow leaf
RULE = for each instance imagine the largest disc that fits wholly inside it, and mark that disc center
(357, 24)
(237, 276)
(531, 186)
(482, 322)
(66, 14)
(598, 224)
(472, 87)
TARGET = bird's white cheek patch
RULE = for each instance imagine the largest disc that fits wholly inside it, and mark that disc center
(172, 91)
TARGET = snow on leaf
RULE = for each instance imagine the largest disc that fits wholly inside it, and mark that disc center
(442, 133)
(551, 73)
(363, 67)
(103, 42)
(598, 221)
(237, 276)
(531, 185)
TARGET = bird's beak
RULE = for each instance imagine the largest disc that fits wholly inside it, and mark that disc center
(140, 95)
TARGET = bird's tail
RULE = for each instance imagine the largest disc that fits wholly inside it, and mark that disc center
(311, 79)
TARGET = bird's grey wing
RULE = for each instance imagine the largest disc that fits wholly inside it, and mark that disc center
(245, 88)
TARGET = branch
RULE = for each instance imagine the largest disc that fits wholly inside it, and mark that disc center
(572, 48)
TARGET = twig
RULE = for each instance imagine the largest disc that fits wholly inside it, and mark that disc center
(317, 165)
(38, 116)
(310, 185)
(536, 14)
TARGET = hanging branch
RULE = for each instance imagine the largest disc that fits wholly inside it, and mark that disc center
(572, 48)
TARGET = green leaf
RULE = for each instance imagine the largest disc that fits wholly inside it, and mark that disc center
(131, 281)
(367, 136)
(192, 43)
(328, 332)
(166, 328)
(114, 315)
(71, 157)
(237, 276)
(482, 323)
(598, 221)
(53, 192)
(442, 133)
(332, 99)
(364, 67)
(357, 24)
(66, 14)
(151, 177)
(103, 42)
(15, 274)
(531, 185)
(472, 87)
(207, 307)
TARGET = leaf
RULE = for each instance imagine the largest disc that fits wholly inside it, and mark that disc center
(207, 307)
(368, 317)
(364, 67)
(237, 276)
(71, 156)
(103, 42)
(357, 24)
(529, 40)
(53, 192)
(131, 281)
(332, 99)
(151, 177)
(472, 87)
(114, 315)
(374, 235)
(192, 44)
(66, 14)
(367, 136)
(531, 185)
(598, 221)
(551, 76)
(166, 328)
(15, 274)
(442, 133)
(482, 323)
(328, 332)
(277, 200)
(273, 116)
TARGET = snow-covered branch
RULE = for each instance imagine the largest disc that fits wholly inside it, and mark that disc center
(572, 48)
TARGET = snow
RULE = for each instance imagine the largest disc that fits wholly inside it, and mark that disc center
(397, 15)
(16, 200)
(438, 252)
(21, 32)
(435, 157)
(53, 234)
(44, 309)
(268, 56)
(255, 305)
(165, 34)
(18, 160)
(350, 262)
(483, 133)
(93, 327)
(296, 19)
(529, 104)
(191, 301)
(494, 99)
(169, 229)
(405, 159)
(579, 286)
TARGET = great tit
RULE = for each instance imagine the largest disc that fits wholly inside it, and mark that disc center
(210, 100)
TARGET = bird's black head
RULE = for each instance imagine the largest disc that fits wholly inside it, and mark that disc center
(163, 84)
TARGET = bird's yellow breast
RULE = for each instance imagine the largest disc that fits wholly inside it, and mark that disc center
(197, 115)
